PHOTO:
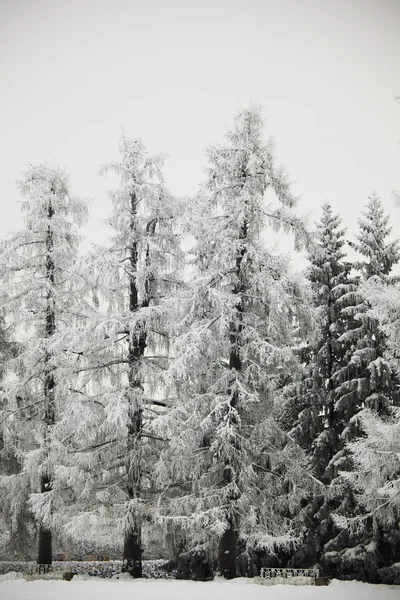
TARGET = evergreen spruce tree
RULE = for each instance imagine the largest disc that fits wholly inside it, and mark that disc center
(375, 481)
(40, 299)
(229, 466)
(313, 405)
(367, 378)
(383, 297)
(309, 408)
(375, 475)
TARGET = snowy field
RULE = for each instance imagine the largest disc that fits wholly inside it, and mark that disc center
(84, 588)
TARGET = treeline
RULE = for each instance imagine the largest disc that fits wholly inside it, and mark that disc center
(211, 399)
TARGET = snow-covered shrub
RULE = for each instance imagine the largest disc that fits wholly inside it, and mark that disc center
(152, 569)
(195, 565)
(390, 575)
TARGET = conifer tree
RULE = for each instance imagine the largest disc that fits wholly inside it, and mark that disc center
(123, 353)
(384, 301)
(228, 462)
(375, 481)
(313, 405)
(367, 378)
(15, 523)
(309, 409)
(40, 297)
(376, 473)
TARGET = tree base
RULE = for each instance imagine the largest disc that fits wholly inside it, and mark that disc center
(228, 554)
(132, 557)
(45, 553)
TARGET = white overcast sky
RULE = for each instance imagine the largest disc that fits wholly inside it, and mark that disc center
(175, 72)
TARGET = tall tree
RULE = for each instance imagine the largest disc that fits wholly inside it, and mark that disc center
(312, 405)
(309, 409)
(233, 346)
(123, 354)
(375, 454)
(40, 299)
(367, 378)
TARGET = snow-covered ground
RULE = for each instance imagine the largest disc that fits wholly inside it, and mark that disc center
(83, 588)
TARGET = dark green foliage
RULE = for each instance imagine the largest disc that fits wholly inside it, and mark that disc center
(345, 370)
(311, 409)
(194, 565)
(366, 378)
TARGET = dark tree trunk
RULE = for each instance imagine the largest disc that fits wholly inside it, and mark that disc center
(228, 544)
(133, 553)
(45, 553)
(228, 553)
(45, 537)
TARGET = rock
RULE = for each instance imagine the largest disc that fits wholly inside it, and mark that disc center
(322, 581)
(69, 575)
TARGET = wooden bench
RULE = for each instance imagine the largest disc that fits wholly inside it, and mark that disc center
(43, 569)
(271, 575)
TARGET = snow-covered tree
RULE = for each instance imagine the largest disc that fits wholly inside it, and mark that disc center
(376, 473)
(367, 378)
(311, 405)
(376, 452)
(228, 464)
(40, 299)
(14, 523)
(309, 411)
(123, 354)
(379, 254)
(384, 301)
(375, 481)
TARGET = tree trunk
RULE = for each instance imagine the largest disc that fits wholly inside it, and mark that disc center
(228, 542)
(228, 553)
(133, 553)
(45, 553)
(45, 537)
